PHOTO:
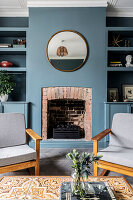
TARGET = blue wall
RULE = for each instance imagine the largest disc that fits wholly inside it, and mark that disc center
(43, 23)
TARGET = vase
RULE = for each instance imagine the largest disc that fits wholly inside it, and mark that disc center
(77, 185)
(3, 97)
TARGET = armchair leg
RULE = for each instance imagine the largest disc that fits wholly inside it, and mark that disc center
(31, 171)
(104, 172)
(95, 169)
(37, 170)
(37, 167)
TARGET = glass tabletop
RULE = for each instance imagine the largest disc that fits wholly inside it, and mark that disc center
(95, 191)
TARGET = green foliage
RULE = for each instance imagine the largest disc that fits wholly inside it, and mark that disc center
(81, 163)
(7, 82)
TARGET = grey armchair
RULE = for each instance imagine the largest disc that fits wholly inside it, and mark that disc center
(118, 156)
(15, 154)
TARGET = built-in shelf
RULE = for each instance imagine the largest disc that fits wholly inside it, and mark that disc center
(119, 28)
(128, 102)
(120, 48)
(120, 69)
(17, 56)
(12, 49)
(13, 29)
(119, 76)
(14, 69)
(14, 102)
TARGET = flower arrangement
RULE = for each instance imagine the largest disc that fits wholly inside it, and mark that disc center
(81, 165)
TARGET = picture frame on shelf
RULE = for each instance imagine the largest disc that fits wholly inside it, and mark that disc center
(127, 92)
(113, 94)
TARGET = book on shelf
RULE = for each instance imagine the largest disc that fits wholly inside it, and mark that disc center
(118, 62)
(115, 64)
(3, 45)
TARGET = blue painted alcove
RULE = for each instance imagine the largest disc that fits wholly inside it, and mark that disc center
(43, 23)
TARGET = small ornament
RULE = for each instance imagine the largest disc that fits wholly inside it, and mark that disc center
(116, 41)
(6, 64)
(129, 61)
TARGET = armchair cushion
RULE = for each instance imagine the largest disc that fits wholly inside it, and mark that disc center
(118, 155)
(122, 130)
(12, 129)
(16, 154)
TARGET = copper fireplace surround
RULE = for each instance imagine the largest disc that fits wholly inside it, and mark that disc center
(71, 93)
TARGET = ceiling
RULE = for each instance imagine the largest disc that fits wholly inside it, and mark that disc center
(120, 8)
(17, 8)
(13, 8)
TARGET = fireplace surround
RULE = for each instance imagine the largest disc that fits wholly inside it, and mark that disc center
(67, 94)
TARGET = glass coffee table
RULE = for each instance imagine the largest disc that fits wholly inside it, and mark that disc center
(94, 190)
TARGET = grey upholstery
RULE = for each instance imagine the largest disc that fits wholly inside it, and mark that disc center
(16, 154)
(120, 150)
(118, 155)
(12, 129)
(122, 130)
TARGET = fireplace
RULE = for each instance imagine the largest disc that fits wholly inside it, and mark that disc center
(65, 119)
(66, 113)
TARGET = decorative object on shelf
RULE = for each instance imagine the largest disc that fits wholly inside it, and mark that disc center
(116, 41)
(115, 64)
(82, 171)
(3, 97)
(129, 59)
(19, 43)
(4, 45)
(6, 64)
(7, 85)
(127, 93)
(113, 94)
(67, 50)
(127, 43)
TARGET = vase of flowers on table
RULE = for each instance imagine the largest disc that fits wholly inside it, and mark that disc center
(81, 166)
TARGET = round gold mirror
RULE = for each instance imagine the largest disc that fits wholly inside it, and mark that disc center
(67, 50)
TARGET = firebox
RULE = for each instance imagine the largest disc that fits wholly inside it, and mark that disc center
(66, 112)
(66, 119)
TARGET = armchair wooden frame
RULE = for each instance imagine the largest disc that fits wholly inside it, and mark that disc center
(28, 164)
(107, 166)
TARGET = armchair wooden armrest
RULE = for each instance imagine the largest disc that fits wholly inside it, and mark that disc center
(37, 139)
(33, 135)
(97, 138)
(101, 135)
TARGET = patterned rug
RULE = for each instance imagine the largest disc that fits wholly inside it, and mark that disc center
(48, 188)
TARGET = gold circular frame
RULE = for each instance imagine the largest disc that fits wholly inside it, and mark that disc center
(86, 49)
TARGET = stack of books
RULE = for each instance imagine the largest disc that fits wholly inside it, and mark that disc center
(115, 64)
(3, 45)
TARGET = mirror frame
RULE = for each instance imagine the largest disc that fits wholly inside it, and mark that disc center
(85, 44)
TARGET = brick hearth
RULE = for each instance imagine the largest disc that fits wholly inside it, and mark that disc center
(67, 93)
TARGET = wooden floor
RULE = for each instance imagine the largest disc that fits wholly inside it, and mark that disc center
(54, 163)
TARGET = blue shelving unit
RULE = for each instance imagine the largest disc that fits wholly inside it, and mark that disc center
(18, 57)
(118, 76)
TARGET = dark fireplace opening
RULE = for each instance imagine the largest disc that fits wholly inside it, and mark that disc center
(66, 119)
